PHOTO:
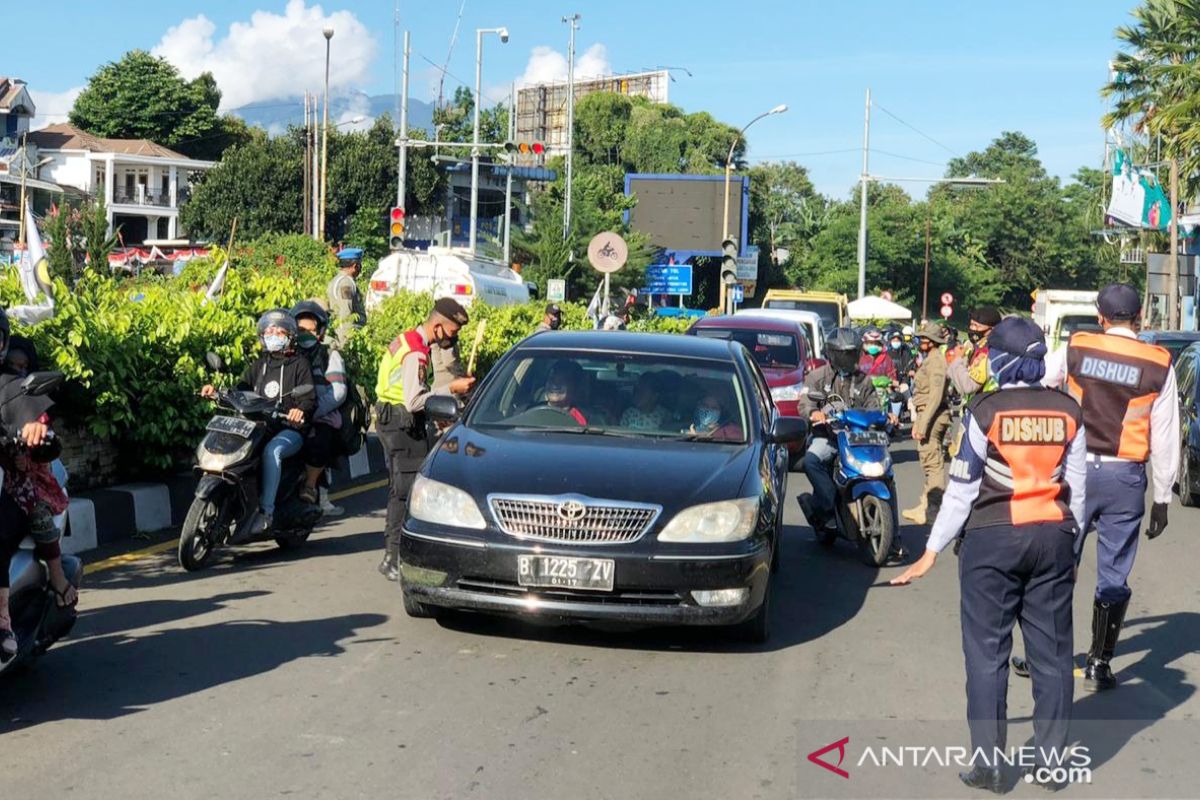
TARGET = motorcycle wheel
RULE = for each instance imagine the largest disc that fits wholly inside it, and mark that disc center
(196, 539)
(876, 527)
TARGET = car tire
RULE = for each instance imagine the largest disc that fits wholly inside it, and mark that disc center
(757, 629)
(1187, 497)
(415, 608)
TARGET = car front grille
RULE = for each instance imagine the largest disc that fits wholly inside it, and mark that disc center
(572, 519)
(509, 589)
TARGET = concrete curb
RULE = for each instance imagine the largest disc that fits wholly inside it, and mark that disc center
(119, 512)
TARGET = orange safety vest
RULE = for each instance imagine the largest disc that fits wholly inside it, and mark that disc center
(1116, 380)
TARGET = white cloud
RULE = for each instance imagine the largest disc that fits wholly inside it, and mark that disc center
(52, 107)
(272, 56)
(547, 65)
(357, 116)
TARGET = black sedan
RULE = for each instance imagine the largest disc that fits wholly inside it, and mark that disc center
(605, 476)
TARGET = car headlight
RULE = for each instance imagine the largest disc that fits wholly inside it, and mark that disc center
(726, 521)
(442, 504)
(787, 394)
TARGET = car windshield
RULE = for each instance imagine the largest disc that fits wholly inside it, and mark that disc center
(771, 349)
(1075, 323)
(827, 311)
(618, 394)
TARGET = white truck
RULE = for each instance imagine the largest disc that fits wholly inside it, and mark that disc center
(447, 272)
(1062, 312)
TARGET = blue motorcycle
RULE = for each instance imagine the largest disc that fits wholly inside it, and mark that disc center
(865, 506)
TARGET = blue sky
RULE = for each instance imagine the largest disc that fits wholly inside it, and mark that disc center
(960, 72)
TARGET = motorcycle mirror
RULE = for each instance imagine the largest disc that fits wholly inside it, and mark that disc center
(39, 383)
(214, 361)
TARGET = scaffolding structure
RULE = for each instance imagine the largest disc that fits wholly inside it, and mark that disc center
(542, 108)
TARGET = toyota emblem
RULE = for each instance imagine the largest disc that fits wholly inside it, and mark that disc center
(572, 511)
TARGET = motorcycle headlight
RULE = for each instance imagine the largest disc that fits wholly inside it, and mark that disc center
(210, 461)
(868, 468)
(442, 504)
(725, 521)
(787, 394)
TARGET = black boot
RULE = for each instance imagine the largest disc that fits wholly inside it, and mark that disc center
(390, 566)
(980, 777)
(1106, 629)
(935, 505)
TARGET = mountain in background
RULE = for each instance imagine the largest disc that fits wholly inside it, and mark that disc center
(277, 115)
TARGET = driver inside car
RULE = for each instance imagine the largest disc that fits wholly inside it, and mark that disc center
(563, 389)
(709, 421)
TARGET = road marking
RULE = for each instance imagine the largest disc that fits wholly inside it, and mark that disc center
(162, 547)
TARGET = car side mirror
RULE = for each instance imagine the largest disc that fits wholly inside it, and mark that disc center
(442, 408)
(214, 361)
(788, 430)
(39, 383)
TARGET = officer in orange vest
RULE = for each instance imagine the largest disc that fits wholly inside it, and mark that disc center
(1127, 390)
(1018, 488)
(405, 382)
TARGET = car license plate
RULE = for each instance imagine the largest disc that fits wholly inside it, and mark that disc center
(566, 573)
(234, 425)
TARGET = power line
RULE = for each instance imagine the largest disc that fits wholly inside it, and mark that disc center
(917, 130)
(907, 158)
(450, 74)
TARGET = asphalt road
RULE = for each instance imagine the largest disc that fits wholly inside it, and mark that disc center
(276, 675)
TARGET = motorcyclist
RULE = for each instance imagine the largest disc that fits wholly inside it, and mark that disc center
(323, 443)
(875, 361)
(901, 354)
(276, 375)
(841, 376)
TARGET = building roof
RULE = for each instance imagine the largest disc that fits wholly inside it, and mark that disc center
(65, 136)
(11, 92)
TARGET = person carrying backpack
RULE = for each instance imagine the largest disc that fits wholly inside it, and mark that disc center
(324, 443)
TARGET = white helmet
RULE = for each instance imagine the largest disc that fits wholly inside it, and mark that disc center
(908, 330)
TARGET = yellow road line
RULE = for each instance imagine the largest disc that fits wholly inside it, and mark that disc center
(162, 547)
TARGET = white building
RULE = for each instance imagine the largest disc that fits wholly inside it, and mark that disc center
(143, 184)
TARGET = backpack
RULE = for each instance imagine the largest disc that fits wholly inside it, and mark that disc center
(354, 419)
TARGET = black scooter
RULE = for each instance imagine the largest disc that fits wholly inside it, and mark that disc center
(37, 620)
(229, 461)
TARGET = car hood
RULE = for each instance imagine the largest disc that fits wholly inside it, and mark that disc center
(671, 474)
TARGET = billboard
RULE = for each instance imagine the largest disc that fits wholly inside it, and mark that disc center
(542, 108)
(683, 213)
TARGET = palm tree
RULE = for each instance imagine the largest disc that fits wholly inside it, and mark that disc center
(1156, 82)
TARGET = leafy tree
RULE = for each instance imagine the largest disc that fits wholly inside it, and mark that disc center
(367, 229)
(144, 97)
(785, 213)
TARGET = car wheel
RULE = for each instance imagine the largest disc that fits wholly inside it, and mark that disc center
(1186, 496)
(757, 629)
(415, 608)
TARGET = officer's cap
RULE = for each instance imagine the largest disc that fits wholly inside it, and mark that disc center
(350, 254)
(1119, 301)
(986, 315)
(1018, 336)
(933, 332)
(553, 310)
(451, 310)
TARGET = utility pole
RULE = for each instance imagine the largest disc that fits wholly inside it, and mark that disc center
(328, 31)
(24, 173)
(314, 181)
(512, 127)
(925, 295)
(862, 217)
(573, 21)
(1173, 276)
(307, 213)
(402, 183)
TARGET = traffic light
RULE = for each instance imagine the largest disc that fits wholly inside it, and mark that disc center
(525, 148)
(729, 254)
(396, 229)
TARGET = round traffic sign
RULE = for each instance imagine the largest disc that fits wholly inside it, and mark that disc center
(947, 299)
(947, 311)
(607, 251)
(886, 295)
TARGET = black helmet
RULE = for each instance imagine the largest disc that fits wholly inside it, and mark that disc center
(843, 345)
(278, 318)
(311, 308)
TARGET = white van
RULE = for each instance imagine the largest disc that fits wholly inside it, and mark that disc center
(811, 320)
(447, 272)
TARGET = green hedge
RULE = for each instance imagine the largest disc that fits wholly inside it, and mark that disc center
(134, 350)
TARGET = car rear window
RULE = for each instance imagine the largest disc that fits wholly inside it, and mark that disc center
(637, 395)
(771, 349)
(828, 312)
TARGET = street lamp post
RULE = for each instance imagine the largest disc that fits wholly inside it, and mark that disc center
(328, 31)
(503, 34)
(779, 109)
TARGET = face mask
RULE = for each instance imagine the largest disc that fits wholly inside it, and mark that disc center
(975, 336)
(706, 417)
(556, 393)
(874, 349)
(555, 323)
(307, 340)
(274, 343)
(896, 345)
(446, 344)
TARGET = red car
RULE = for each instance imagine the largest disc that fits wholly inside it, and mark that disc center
(780, 348)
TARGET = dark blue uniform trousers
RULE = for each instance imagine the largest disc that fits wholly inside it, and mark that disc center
(1010, 573)
(1116, 502)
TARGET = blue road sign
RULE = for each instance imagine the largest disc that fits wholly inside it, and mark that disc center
(739, 294)
(668, 279)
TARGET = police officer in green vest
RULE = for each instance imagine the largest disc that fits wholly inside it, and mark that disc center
(404, 384)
